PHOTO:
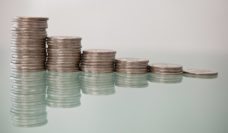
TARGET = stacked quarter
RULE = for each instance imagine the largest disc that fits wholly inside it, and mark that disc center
(131, 80)
(28, 98)
(28, 43)
(64, 89)
(64, 53)
(97, 83)
(98, 61)
(164, 68)
(131, 65)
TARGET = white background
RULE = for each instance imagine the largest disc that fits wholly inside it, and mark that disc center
(129, 26)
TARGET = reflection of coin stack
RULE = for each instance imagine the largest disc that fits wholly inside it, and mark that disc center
(131, 65)
(28, 43)
(98, 61)
(165, 78)
(97, 83)
(165, 73)
(28, 99)
(131, 80)
(63, 89)
(63, 53)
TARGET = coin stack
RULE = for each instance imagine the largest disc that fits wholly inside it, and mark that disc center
(98, 60)
(28, 99)
(64, 53)
(131, 80)
(28, 43)
(131, 65)
(97, 83)
(63, 89)
(165, 68)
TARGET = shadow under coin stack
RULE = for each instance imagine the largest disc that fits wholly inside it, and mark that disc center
(97, 83)
(28, 99)
(64, 89)
(98, 61)
(28, 44)
(64, 53)
(165, 73)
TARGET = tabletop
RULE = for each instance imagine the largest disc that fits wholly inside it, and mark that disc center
(123, 103)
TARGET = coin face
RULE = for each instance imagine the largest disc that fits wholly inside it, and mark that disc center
(64, 38)
(132, 60)
(166, 66)
(196, 71)
(99, 51)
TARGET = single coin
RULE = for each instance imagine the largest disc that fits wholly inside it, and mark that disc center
(196, 71)
(98, 51)
(166, 66)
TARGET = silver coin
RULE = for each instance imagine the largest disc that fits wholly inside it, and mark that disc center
(64, 38)
(132, 60)
(98, 51)
(196, 71)
(166, 66)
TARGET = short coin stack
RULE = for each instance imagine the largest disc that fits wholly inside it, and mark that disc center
(28, 43)
(98, 60)
(64, 89)
(64, 53)
(97, 83)
(131, 65)
(28, 98)
(164, 68)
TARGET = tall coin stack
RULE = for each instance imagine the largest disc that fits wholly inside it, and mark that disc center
(131, 65)
(64, 53)
(28, 43)
(98, 61)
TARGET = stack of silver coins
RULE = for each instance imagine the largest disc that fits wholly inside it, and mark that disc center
(165, 78)
(98, 60)
(63, 53)
(97, 83)
(131, 80)
(28, 44)
(165, 73)
(165, 68)
(64, 89)
(28, 99)
(131, 65)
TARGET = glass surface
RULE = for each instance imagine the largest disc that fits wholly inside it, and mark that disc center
(114, 103)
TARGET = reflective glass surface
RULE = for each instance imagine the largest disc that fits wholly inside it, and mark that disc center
(114, 102)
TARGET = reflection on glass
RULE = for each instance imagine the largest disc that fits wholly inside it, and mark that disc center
(63, 89)
(131, 80)
(165, 78)
(200, 76)
(28, 99)
(97, 83)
